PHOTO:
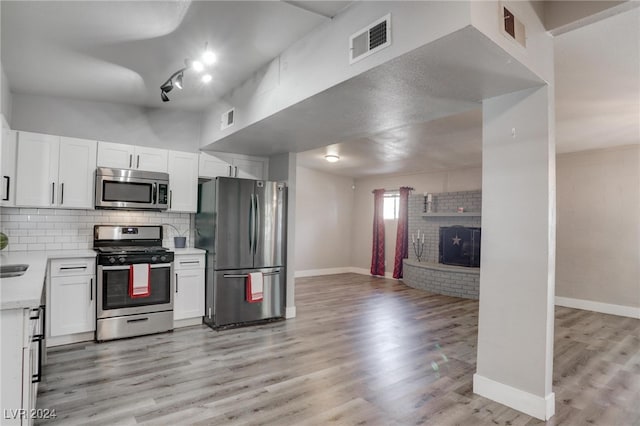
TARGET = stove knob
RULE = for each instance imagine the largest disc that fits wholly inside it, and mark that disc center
(112, 260)
(121, 259)
(154, 258)
(163, 258)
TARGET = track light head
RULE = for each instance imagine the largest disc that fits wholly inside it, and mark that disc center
(164, 96)
(178, 82)
(167, 86)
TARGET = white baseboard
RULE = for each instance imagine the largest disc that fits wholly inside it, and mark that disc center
(605, 308)
(319, 272)
(187, 322)
(533, 405)
(290, 312)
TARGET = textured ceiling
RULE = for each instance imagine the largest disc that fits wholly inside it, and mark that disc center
(122, 51)
(425, 84)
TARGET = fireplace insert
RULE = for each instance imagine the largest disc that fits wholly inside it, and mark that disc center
(460, 246)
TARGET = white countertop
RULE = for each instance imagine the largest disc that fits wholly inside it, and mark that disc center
(25, 291)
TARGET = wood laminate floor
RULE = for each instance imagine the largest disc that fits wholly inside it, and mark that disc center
(362, 350)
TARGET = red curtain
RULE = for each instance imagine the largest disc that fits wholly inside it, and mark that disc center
(402, 237)
(377, 252)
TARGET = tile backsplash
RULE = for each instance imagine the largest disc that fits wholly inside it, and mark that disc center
(58, 229)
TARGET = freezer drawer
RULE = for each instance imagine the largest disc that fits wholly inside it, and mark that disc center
(230, 304)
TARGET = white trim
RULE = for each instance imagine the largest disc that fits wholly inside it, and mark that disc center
(533, 405)
(187, 322)
(319, 272)
(290, 312)
(605, 308)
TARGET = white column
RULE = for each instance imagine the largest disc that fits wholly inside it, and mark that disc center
(515, 329)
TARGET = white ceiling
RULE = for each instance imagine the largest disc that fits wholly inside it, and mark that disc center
(122, 51)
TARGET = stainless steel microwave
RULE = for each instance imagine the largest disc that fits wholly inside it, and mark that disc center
(131, 189)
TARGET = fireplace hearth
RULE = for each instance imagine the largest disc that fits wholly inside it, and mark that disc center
(459, 246)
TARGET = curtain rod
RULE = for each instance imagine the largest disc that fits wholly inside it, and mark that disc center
(394, 189)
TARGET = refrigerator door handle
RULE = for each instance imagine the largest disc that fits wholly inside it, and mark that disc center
(256, 225)
(251, 219)
(266, 274)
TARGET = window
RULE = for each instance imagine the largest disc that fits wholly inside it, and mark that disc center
(391, 206)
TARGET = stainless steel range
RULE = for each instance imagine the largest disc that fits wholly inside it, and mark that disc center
(134, 281)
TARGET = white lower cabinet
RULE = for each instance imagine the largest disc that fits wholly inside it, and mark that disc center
(189, 287)
(72, 298)
(22, 359)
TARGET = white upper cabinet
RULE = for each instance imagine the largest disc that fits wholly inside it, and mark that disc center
(183, 181)
(211, 166)
(115, 155)
(54, 171)
(249, 169)
(8, 167)
(233, 165)
(76, 175)
(151, 159)
(37, 169)
(122, 156)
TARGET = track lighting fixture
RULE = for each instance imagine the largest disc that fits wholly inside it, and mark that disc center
(208, 58)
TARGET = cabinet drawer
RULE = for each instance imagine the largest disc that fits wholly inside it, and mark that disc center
(189, 262)
(70, 267)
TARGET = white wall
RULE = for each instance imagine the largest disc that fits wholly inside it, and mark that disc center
(598, 241)
(6, 98)
(362, 221)
(324, 212)
(105, 121)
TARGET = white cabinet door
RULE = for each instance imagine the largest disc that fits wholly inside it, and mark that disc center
(189, 297)
(8, 167)
(249, 169)
(122, 156)
(116, 155)
(150, 159)
(211, 167)
(72, 305)
(37, 169)
(76, 176)
(183, 181)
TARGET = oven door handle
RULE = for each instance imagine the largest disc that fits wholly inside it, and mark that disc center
(122, 267)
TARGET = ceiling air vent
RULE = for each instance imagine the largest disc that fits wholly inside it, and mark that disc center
(227, 119)
(370, 39)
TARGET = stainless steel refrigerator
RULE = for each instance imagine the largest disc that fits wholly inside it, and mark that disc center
(241, 223)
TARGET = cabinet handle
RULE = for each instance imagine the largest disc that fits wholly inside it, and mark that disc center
(236, 172)
(230, 172)
(61, 193)
(189, 262)
(53, 192)
(138, 162)
(170, 198)
(130, 160)
(65, 268)
(8, 187)
(176, 283)
(91, 289)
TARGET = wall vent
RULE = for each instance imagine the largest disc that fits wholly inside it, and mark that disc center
(227, 119)
(512, 27)
(370, 39)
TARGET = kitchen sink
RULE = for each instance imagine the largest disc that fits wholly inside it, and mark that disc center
(8, 271)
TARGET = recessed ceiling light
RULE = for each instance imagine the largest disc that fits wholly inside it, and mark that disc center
(197, 66)
(206, 78)
(332, 158)
(208, 57)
